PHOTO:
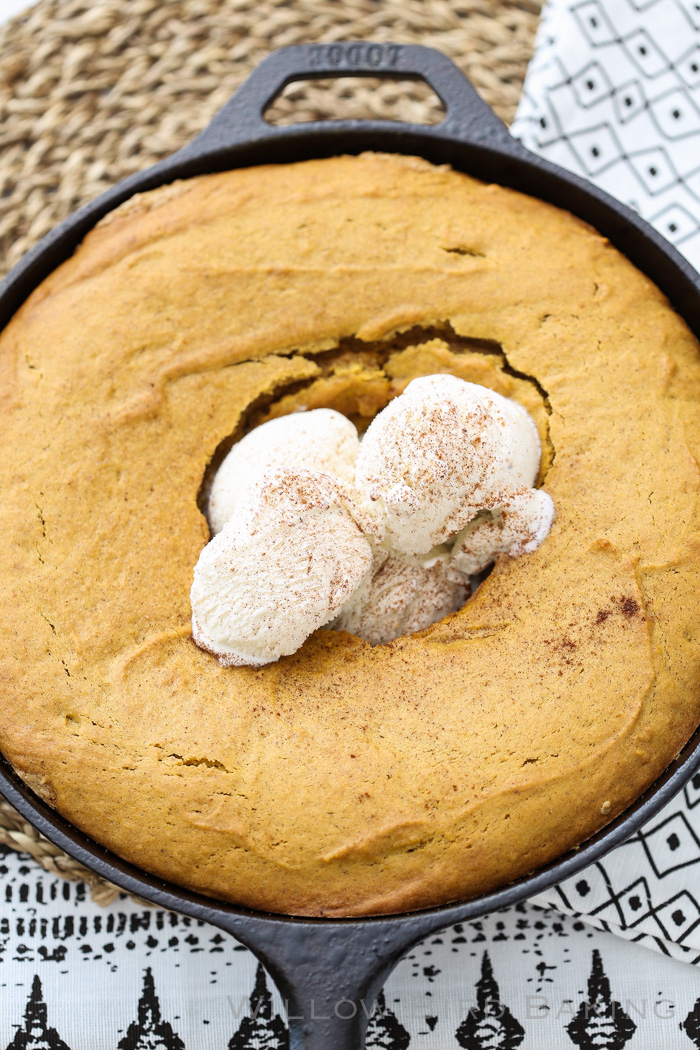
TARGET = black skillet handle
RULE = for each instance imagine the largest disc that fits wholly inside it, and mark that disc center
(330, 974)
(467, 118)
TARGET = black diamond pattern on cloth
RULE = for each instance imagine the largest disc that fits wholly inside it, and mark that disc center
(262, 1029)
(149, 1032)
(385, 1031)
(491, 1024)
(600, 1021)
(691, 1025)
(36, 1033)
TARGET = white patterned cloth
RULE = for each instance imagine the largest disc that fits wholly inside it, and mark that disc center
(613, 94)
(648, 889)
(75, 976)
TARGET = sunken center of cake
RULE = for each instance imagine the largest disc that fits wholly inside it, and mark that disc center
(313, 527)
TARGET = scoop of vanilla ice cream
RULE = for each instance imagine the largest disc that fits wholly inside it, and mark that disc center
(517, 527)
(441, 452)
(402, 595)
(322, 440)
(281, 568)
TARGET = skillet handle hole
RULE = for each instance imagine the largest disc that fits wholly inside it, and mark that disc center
(359, 98)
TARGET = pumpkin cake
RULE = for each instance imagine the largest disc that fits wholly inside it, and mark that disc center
(347, 779)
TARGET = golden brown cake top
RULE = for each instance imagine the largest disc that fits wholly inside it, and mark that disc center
(347, 778)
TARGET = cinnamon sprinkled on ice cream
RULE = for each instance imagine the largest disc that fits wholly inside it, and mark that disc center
(443, 486)
(517, 527)
(439, 454)
(281, 568)
(321, 440)
(402, 595)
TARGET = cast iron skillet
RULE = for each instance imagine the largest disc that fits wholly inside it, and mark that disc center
(331, 971)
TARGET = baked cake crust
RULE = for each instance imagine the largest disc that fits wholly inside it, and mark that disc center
(346, 779)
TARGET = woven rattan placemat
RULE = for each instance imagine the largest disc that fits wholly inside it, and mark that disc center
(93, 90)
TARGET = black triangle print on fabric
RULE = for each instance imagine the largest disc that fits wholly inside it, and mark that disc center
(261, 1031)
(491, 1024)
(35, 1033)
(600, 1022)
(385, 1031)
(691, 1025)
(149, 1032)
